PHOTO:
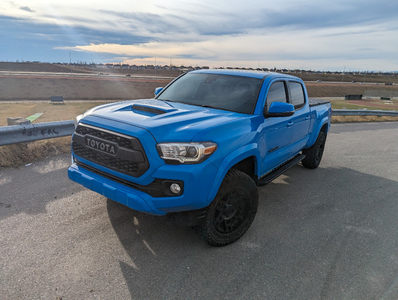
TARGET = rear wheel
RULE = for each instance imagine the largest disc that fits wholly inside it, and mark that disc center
(232, 211)
(315, 152)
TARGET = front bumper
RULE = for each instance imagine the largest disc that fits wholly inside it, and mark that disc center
(197, 182)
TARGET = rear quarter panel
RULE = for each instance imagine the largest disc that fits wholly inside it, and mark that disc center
(321, 116)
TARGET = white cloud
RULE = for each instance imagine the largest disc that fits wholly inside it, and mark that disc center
(306, 49)
(287, 34)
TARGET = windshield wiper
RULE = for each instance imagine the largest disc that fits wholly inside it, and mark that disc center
(195, 104)
(208, 106)
(165, 101)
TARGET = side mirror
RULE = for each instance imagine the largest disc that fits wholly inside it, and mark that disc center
(158, 90)
(279, 109)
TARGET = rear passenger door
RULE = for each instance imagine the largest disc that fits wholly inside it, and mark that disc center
(301, 118)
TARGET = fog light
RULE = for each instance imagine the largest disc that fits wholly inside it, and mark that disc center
(175, 188)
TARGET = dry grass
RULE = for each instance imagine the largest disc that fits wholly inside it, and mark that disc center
(351, 119)
(371, 104)
(25, 153)
(51, 112)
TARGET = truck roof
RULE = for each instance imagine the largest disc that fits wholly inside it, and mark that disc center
(244, 73)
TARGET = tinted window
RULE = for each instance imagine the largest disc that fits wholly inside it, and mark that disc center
(276, 92)
(233, 93)
(296, 93)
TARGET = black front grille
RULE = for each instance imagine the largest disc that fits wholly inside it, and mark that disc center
(105, 135)
(114, 163)
(129, 159)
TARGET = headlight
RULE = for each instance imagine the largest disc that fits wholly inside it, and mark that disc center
(186, 153)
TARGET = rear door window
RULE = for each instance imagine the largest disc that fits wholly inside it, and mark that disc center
(296, 94)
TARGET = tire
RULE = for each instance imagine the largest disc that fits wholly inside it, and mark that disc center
(232, 211)
(315, 152)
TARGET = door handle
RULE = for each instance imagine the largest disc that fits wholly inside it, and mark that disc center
(289, 124)
(307, 118)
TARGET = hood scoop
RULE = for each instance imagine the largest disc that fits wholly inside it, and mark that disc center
(156, 110)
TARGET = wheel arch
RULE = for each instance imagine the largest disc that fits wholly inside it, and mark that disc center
(247, 166)
(323, 126)
(243, 159)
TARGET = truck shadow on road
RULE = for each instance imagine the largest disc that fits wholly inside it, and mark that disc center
(332, 230)
(31, 188)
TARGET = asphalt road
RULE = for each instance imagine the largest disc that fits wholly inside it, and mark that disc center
(329, 233)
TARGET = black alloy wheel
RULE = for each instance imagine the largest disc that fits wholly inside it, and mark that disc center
(232, 211)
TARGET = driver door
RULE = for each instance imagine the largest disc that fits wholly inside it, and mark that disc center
(277, 131)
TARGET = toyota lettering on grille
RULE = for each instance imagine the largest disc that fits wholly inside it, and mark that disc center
(101, 145)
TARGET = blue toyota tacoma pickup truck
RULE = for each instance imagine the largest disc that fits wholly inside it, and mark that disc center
(198, 150)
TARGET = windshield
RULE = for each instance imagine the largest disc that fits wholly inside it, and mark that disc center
(233, 93)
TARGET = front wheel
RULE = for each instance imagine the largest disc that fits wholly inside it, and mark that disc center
(232, 211)
(315, 152)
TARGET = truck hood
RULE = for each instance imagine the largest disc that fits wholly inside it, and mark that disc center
(166, 121)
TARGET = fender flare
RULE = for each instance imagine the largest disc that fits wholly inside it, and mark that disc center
(229, 161)
(324, 121)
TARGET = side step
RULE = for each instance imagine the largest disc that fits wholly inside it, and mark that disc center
(280, 170)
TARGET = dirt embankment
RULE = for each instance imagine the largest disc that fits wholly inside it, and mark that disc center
(26, 88)
(38, 67)
(72, 88)
(340, 90)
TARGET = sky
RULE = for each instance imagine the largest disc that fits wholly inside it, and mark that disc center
(348, 35)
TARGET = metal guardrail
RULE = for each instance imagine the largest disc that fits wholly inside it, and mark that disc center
(40, 131)
(364, 112)
(33, 132)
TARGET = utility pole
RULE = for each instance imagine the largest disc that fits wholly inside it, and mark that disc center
(343, 75)
(70, 63)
